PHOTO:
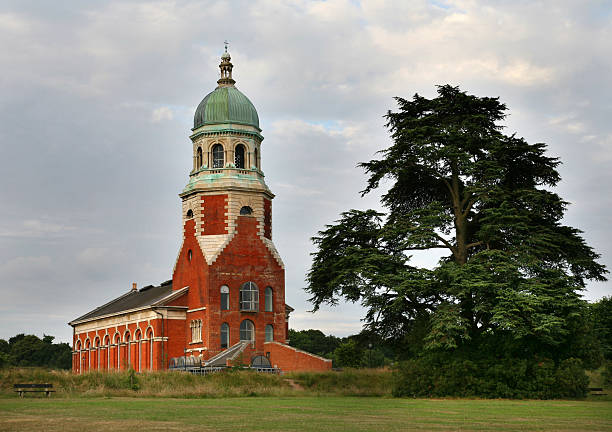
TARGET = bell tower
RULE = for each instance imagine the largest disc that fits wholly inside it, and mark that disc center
(227, 223)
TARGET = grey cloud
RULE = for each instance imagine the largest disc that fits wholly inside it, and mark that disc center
(96, 102)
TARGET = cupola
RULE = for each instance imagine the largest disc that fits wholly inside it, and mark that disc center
(226, 104)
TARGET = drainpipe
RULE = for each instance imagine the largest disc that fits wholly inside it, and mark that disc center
(162, 341)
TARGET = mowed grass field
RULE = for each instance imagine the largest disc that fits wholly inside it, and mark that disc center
(328, 413)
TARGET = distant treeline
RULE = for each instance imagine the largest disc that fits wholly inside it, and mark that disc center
(365, 349)
(30, 350)
(556, 373)
(592, 342)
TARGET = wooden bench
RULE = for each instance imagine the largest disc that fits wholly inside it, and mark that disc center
(597, 391)
(33, 388)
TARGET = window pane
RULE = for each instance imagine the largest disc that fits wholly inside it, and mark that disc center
(268, 299)
(269, 333)
(247, 331)
(218, 157)
(249, 297)
(239, 156)
(224, 298)
(224, 335)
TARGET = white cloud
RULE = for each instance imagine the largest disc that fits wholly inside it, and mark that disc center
(35, 228)
(161, 114)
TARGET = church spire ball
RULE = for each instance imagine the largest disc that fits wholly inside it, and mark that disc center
(226, 298)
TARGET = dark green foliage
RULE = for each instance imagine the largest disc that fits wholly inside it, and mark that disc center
(457, 183)
(314, 341)
(607, 374)
(348, 354)
(366, 349)
(509, 285)
(507, 378)
(29, 350)
(601, 314)
(132, 380)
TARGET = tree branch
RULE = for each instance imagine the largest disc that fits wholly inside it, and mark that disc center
(478, 243)
(445, 242)
(428, 247)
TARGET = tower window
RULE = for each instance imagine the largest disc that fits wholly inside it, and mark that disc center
(249, 297)
(256, 161)
(218, 157)
(269, 333)
(247, 331)
(224, 335)
(199, 157)
(224, 298)
(239, 156)
(246, 210)
(268, 299)
(189, 214)
(189, 254)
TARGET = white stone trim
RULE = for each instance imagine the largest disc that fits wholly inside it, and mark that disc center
(127, 318)
(197, 309)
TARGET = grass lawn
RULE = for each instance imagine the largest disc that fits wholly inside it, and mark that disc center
(301, 414)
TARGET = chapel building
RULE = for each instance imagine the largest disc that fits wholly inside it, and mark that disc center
(225, 304)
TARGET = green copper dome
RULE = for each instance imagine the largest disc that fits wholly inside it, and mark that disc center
(225, 104)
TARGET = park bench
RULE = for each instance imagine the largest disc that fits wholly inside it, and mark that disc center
(33, 388)
(597, 391)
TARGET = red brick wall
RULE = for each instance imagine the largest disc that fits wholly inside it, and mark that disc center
(191, 273)
(267, 218)
(290, 359)
(214, 211)
(245, 258)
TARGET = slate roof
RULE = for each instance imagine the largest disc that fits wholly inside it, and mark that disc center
(146, 296)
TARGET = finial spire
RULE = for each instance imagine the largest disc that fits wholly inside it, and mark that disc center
(226, 69)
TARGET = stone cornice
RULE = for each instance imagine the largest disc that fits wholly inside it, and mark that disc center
(225, 132)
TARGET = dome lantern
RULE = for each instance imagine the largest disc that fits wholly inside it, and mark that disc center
(226, 70)
(226, 104)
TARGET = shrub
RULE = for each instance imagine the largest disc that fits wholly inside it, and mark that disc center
(501, 378)
(606, 374)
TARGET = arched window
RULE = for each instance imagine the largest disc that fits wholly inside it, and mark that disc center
(189, 254)
(128, 350)
(189, 214)
(218, 157)
(249, 297)
(269, 333)
(247, 331)
(225, 297)
(107, 343)
(256, 163)
(239, 156)
(246, 210)
(199, 157)
(268, 299)
(118, 350)
(78, 346)
(260, 362)
(224, 335)
(138, 339)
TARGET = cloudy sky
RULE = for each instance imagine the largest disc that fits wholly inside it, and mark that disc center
(97, 102)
